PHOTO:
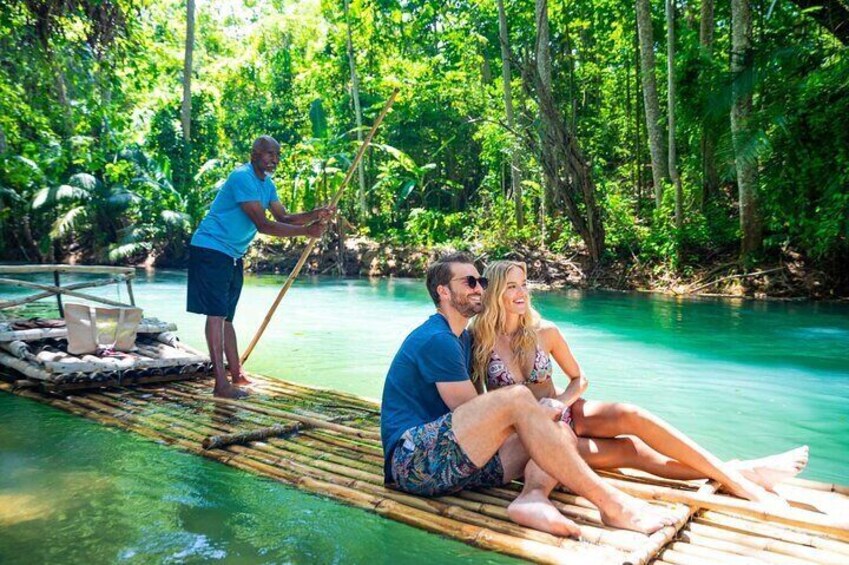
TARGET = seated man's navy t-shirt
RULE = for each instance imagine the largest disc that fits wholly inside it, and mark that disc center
(431, 354)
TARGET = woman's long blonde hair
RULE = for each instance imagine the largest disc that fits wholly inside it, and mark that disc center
(490, 323)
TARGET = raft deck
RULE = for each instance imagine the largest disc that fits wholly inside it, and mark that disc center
(328, 443)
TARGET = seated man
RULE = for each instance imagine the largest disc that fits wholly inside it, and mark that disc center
(440, 437)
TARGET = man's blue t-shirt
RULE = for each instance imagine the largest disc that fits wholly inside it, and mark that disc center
(226, 227)
(430, 354)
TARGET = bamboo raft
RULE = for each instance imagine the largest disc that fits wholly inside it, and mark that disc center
(328, 443)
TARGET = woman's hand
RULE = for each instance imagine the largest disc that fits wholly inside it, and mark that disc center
(555, 407)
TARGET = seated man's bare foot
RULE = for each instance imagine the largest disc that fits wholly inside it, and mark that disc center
(632, 514)
(229, 392)
(768, 472)
(534, 510)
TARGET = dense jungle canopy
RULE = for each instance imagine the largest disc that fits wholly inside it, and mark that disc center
(674, 134)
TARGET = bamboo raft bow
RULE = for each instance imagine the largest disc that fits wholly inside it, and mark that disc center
(312, 242)
(328, 443)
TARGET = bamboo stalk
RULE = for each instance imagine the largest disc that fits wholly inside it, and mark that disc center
(790, 517)
(147, 326)
(753, 540)
(76, 269)
(211, 442)
(25, 368)
(743, 549)
(715, 555)
(674, 557)
(311, 244)
(773, 531)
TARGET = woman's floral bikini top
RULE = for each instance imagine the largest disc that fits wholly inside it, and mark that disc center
(498, 375)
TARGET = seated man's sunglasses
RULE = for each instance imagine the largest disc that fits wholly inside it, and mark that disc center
(473, 281)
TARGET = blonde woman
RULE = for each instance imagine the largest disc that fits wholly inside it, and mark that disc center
(513, 346)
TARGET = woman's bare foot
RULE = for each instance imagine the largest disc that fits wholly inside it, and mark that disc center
(744, 488)
(632, 514)
(229, 392)
(534, 510)
(768, 472)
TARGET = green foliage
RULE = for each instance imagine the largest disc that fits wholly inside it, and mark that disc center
(93, 160)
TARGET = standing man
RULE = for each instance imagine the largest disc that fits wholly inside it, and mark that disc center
(223, 237)
(440, 437)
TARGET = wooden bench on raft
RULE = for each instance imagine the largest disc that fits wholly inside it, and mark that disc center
(35, 351)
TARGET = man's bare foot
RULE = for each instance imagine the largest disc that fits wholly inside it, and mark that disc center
(241, 379)
(632, 514)
(768, 472)
(229, 392)
(534, 510)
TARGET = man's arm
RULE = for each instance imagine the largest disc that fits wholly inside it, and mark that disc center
(456, 393)
(278, 228)
(281, 215)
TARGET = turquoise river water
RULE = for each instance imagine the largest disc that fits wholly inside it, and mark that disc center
(743, 378)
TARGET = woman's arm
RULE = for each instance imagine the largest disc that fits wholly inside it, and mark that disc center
(556, 346)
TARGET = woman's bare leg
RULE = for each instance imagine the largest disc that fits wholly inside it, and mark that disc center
(608, 420)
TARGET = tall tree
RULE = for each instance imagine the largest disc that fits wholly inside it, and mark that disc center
(710, 177)
(355, 94)
(653, 125)
(565, 170)
(506, 78)
(186, 113)
(745, 160)
(670, 112)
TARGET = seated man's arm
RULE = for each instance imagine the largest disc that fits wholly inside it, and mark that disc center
(456, 393)
(256, 213)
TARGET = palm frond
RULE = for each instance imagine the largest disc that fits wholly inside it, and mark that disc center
(85, 181)
(66, 222)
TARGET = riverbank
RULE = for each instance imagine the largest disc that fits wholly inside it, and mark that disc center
(787, 277)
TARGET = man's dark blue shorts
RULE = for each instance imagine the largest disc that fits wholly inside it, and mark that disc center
(215, 282)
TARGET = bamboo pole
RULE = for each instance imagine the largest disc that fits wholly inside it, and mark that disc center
(791, 517)
(74, 269)
(312, 242)
(148, 326)
(746, 550)
(773, 531)
(25, 368)
(715, 555)
(756, 541)
(218, 441)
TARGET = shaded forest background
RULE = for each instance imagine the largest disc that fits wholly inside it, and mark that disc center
(676, 135)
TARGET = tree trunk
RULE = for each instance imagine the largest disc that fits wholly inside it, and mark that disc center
(506, 78)
(186, 112)
(355, 94)
(564, 168)
(652, 106)
(742, 57)
(670, 112)
(710, 176)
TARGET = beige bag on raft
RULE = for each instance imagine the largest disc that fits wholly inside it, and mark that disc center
(93, 328)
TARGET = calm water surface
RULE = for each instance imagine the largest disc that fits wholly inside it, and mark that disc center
(744, 379)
